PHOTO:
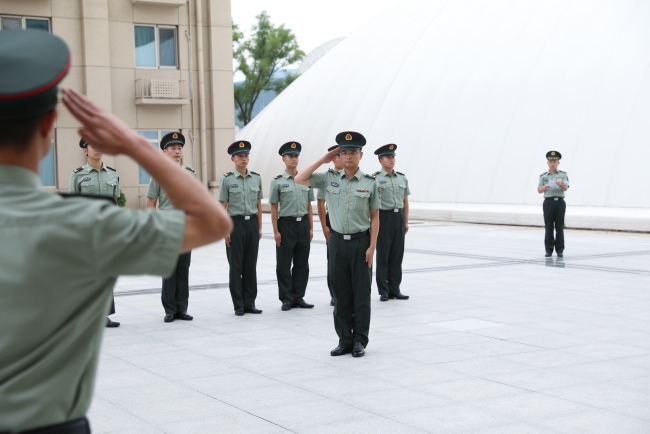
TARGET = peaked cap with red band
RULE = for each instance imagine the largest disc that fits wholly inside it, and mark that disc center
(240, 147)
(290, 148)
(350, 140)
(172, 138)
(386, 150)
(33, 64)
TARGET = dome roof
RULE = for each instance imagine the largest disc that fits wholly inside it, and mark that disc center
(475, 94)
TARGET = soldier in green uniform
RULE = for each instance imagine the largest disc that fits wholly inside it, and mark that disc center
(553, 184)
(393, 224)
(240, 191)
(175, 288)
(96, 179)
(293, 228)
(60, 256)
(324, 217)
(353, 202)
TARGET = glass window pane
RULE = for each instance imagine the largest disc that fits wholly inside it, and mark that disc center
(167, 47)
(46, 170)
(32, 23)
(11, 23)
(145, 46)
(152, 136)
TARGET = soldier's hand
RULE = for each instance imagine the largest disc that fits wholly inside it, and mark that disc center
(260, 234)
(560, 183)
(326, 232)
(546, 187)
(369, 254)
(327, 158)
(311, 235)
(406, 227)
(227, 240)
(278, 239)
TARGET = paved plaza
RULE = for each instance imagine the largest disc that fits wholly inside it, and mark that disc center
(495, 339)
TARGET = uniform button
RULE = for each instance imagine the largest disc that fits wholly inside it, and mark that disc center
(346, 201)
(346, 232)
(246, 195)
(346, 212)
(346, 223)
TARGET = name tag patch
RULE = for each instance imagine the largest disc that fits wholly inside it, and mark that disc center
(87, 179)
(382, 182)
(234, 185)
(285, 185)
(334, 184)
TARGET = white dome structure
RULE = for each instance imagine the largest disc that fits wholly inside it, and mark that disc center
(317, 53)
(474, 93)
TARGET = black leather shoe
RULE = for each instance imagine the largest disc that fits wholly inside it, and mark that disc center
(560, 254)
(252, 310)
(332, 302)
(548, 254)
(383, 297)
(110, 323)
(286, 306)
(303, 304)
(339, 351)
(239, 312)
(399, 296)
(169, 317)
(358, 350)
(184, 316)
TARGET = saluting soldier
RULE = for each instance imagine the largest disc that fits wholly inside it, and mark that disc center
(54, 318)
(324, 217)
(553, 184)
(175, 288)
(96, 179)
(353, 202)
(293, 228)
(240, 191)
(393, 224)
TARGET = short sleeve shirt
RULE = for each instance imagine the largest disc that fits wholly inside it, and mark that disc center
(349, 200)
(392, 189)
(87, 180)
(241, 192)
(54, 318)
(294, 199)
(155, 192)
(545, 177)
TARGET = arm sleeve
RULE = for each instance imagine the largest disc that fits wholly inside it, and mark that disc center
(407, 190)
(317, 180)
(375, 203)
(223, 190)
(130, 242)
(310, 196)
(73, 187)
(274, 196)
(321, 194)
(260, 195)
(154, 189)
(567, 179)
(541, 182)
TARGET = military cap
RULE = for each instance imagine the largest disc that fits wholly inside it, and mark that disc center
(33, 64)
(171, 139)
(350, 140)
(553, 155)
(331, 148)
(83, 143)
(290, 148)
(240, 147)
(386, 150)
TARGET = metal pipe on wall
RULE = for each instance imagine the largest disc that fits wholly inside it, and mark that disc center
(189, 55)
(202, 117)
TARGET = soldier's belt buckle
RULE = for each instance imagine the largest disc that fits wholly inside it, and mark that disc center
(298, 219)
(396, 210)
(247, 217)
(347, 237)
(555, 198)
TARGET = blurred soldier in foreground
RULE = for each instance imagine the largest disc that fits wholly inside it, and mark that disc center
(96, 179)
(53, 318)
(553, 184)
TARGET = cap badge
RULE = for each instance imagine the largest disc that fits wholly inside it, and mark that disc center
(293, 145)
(391, 147)
(175, 136)
(241, 144)
(348, 137)
(553, 153)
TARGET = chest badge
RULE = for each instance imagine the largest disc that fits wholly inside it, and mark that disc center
(334, 184)
(365, 190)
(87, 179)
(285, 185)
(234, 185)
(382, 182)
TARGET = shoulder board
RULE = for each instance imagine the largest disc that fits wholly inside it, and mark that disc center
(399, 173)
(190, 169)
(255, 173)
(543, 174)
(332, 170)
(78, 169)
(227, 174)
(109, 167)
(276, 177)
(377, 173)
(369, 176)
(561, 171)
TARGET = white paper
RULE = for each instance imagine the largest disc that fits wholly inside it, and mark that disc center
(553, 184)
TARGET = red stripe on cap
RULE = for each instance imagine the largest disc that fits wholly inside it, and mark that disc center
(51, 84)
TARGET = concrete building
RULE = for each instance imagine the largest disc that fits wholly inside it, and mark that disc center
(132, 57)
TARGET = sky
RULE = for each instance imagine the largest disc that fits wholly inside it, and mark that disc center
(313, 21)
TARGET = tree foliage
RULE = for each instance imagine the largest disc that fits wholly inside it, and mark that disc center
(268, 49)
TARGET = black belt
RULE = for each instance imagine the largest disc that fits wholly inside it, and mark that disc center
(348, 237)
(243, 217)
(297, 219)
(391, 210)
(553, 198)
(79, 426)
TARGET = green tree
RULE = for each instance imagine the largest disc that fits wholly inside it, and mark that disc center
(258, 58)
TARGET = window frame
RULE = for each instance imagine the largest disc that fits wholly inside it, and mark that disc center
(156, 35)
(23, 21)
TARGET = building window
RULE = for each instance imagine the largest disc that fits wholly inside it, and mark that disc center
(154, 138)
(47, 169)
(12, 22)
(156, 47)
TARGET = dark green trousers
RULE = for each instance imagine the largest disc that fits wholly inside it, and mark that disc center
(351, 280)
(176, 288)
(327, 254)
(112, 311)
(242, 257)
(390, 251)
(554, 211)
(294, 248)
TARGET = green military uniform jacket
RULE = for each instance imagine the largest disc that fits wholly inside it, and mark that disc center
(53, 319)
(87, 180)
(545, 177)
(392, 189)
(294, 199)
(349, 200)
(241, 192)
(155, 192)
